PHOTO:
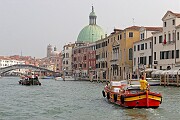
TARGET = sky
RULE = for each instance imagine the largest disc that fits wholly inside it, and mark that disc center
(28, 26)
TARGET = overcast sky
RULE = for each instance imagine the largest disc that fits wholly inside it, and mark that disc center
(30, 25)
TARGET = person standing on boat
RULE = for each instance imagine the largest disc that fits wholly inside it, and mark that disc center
(143, 84)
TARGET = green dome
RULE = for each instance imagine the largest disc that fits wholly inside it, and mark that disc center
(90, 33)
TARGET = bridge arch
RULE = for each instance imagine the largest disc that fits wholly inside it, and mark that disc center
(24, 66)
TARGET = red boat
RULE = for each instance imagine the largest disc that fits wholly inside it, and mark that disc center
(131, 96)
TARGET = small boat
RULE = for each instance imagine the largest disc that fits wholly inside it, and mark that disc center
(151, 81)
(131, 96)
(29, 81)
(47, 77)
(66, 78)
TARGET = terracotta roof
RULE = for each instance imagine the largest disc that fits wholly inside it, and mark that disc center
(149, 38)
(176, 14)
(154, 28)
(133, 28)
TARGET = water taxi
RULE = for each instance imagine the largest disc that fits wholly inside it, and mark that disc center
(131, 96)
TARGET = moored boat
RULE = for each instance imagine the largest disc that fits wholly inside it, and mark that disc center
(66, 78)
(151, 81)
(131, 96)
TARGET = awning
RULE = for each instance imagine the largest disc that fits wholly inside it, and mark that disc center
(157, 72)
(173, 72)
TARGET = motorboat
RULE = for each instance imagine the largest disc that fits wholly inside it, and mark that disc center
(151, 81)
(131, 96)
(65, 78)
(29, 81)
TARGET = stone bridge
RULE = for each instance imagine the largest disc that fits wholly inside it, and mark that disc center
(23, 66)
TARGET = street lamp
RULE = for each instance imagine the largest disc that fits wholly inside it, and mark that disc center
(80, 72)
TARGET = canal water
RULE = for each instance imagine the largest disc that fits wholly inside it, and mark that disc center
(76, 100)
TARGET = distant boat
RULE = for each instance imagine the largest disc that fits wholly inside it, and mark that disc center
(67, 78)
(47, 77)
(151, 81)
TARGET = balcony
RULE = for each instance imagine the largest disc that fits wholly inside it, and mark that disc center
(169, 42)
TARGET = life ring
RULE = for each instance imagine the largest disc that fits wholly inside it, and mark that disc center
(108, 95)
(115, 97)
(104, 95)
(161, 100)
(122, 99)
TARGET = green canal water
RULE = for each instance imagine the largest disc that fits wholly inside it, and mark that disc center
(76, 100)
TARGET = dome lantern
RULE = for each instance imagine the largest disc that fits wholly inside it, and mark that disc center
(92, 17)
(91, 32)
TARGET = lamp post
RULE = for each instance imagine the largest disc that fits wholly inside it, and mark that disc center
(90, 74)
(80, 72)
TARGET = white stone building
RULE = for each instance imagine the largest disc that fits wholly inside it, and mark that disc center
(67, 59)
(5, 62)
(165, 43)
(142, 50)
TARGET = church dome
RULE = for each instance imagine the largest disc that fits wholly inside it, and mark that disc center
(91, 32)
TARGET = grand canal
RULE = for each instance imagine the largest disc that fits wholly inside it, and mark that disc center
(76, 100)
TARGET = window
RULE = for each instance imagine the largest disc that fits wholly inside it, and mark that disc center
(130, 54)
(177, 35)
(154, 40)
(160, 39)
(130, 34)
(142, 36)
(134, 47)
(173, 22)
(143, 60)
(169, 36)
(134, 61)
(142, 46)
(150, 45)
(120, 36)
(160, 67)
(66, 62)
(145, 45)
(138, 47)
(172, 54)
(124, 35)
(154, 55)
(164, 24)
(150, 60)
(84, 65)
(177, 53)
(84, 57)
(173, 36)
(164, 36)
(67, 55)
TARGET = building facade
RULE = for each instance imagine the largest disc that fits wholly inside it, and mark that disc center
(165, 49)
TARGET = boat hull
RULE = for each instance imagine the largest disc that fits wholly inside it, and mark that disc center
(144, 99)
